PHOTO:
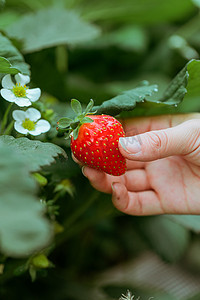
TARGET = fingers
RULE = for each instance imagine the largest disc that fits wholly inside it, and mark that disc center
(135, 180)
(99, 180)
(136, 203)
(143, 124)
(178, 140)
(76, 160)
(132, 165)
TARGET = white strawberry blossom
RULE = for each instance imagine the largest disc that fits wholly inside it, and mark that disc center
(19, 93)
(29, 122)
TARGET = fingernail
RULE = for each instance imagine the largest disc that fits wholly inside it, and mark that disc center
(130, 144)
(83, 171)
(113, 186)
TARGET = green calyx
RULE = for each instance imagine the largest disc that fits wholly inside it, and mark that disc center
(70, 126)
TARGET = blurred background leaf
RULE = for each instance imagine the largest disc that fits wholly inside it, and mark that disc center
(37, 153)
(51, 27)
(191, 222)
(13, 56)
(23, 227)
(141, 12)
(160, 232)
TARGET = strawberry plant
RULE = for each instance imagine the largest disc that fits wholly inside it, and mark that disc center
(94, 140)
(134, 58)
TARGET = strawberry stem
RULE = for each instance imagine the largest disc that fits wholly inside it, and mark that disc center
(70, 126)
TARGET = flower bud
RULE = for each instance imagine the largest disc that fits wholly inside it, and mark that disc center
(40, 179)
(40, 261)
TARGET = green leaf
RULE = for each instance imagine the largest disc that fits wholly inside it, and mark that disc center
(76, 106)
(139, 12)
(166, 237)
(185, 84)
(8, 17)
(126, 101)
(89, 106)
(87, 120)
(176, 90)
(75, 133)
(37, 153)
(6, 67)
(191, 222)
(193, 69)
(51, 27)
(11, 60)
(129, 37)
(23, 229)
(181, 95)
(64, 122)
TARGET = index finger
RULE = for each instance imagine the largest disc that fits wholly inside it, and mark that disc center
(139, 125)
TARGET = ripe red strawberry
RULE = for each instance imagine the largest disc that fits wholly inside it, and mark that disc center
(97, 145)
(95, 142)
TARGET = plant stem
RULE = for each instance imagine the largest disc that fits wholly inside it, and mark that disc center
(5, 118)
(9, 128)
(71, 220)
(80, 226)
(81, 210)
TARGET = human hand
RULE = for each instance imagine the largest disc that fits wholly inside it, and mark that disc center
(163, 167)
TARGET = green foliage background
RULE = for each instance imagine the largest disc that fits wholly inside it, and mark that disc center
(134, 58)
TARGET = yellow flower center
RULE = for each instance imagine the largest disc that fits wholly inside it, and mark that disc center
(28, 124)
(19, 90)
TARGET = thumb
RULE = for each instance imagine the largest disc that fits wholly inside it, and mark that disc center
(178, 140)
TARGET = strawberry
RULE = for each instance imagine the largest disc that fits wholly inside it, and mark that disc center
(94, 140)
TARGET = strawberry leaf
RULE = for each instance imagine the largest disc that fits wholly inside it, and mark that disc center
(43, 29)
(87, 120)
(75, 133)
(37, 153)
(76, 106)
(180, 96)
(125, 101)
(64, 122)
(23, 227)
(165, 230)
(89, 106)
(191, 222)
(11, 60)
(176, 90)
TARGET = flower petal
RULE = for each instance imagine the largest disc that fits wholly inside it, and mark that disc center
(33, 94)
(18, 127)
(22, 101)
(22, 79)
(33, 114)
(8, 95)
(35, 132)
(7, 82)
(19, 115)
(41, 127)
